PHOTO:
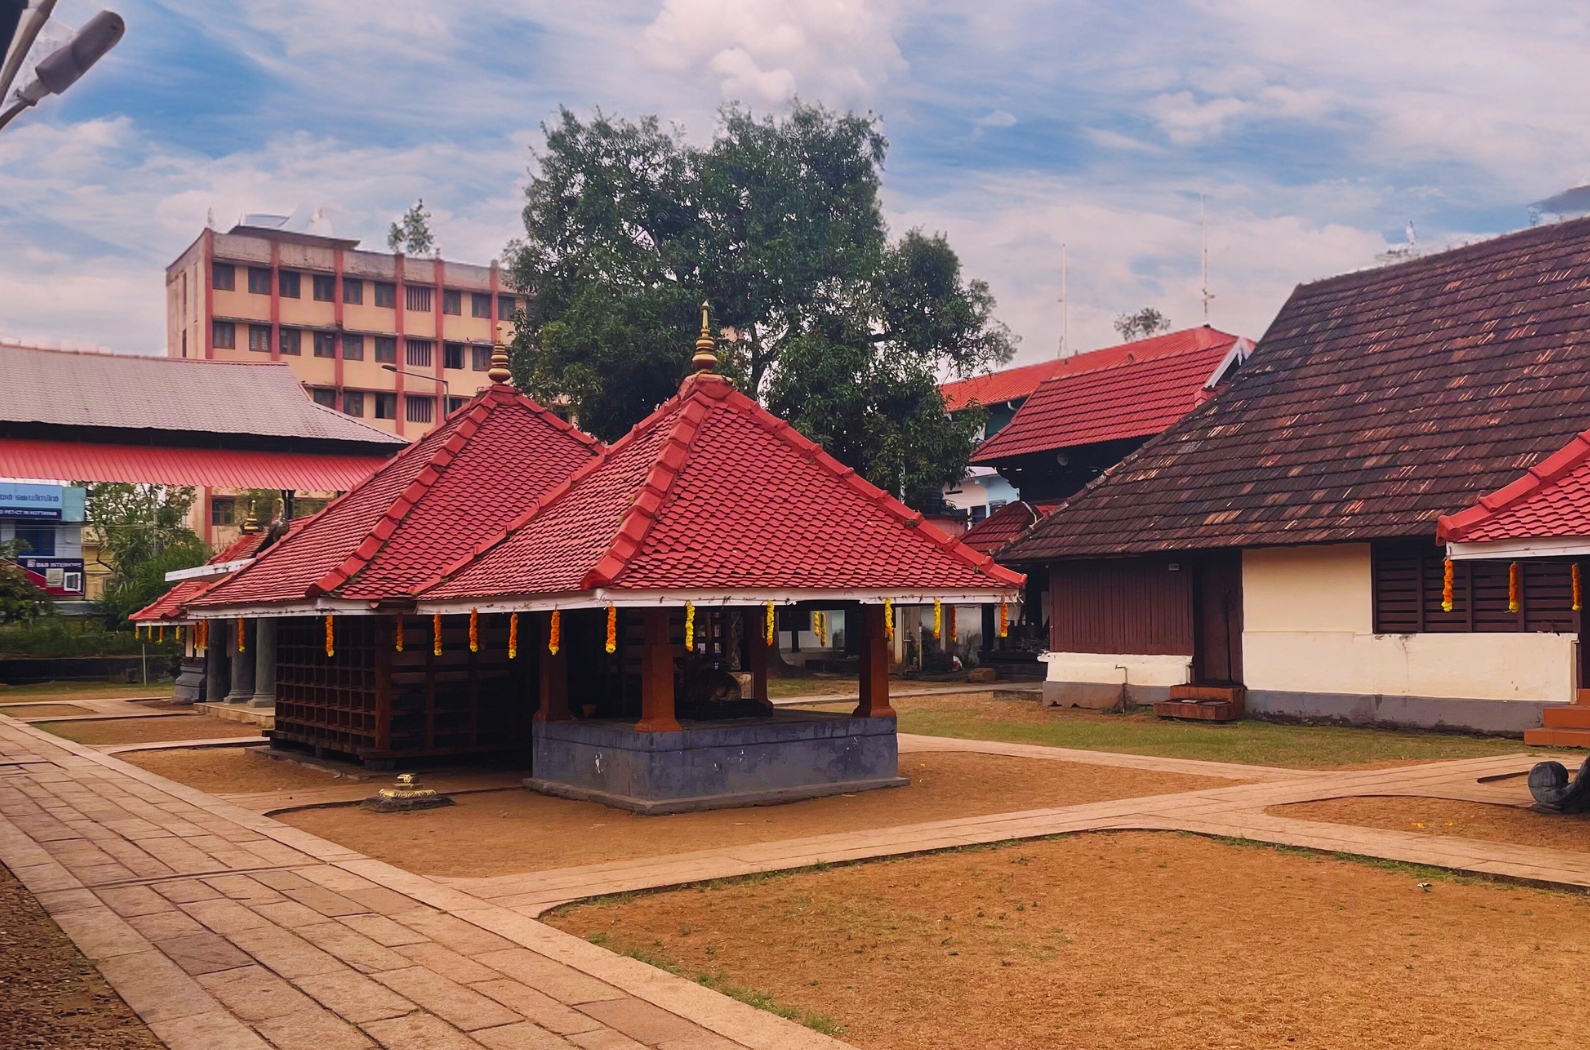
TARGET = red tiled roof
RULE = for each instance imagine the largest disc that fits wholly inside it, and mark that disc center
(1004, 525)
(205, 467)
(1376, 402)
(713, 492)
(430, 505)
(1130, 399)
(170, 606)
(1012, 384)
(1551, 501)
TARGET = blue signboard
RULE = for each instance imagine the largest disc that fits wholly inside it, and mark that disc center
(20, 499)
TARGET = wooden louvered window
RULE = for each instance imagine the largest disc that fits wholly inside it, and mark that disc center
(1408, 583)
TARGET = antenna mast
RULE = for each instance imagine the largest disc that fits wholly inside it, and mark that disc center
(1203, 223)
(1065, 309)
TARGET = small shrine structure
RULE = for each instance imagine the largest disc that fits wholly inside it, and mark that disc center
(611, 617)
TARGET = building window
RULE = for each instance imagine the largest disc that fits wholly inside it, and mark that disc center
(979, 513)
(259, 280)
(259, 337)
(456, 403)
(325, 344)
(479, 304)
(386, 350)
(40, 543)
(324, 396)
(325, 288)
(452, 355)
(223, 334)
(418, 409)
(352, 347)
(353, 291)
(223, 510)
(353, 402)
(480, 358)
(417, 297)
(287, 281)
(452, 302)
(385, 294)
(505, 307)
(223, 277)
(1408, 581)
(291, 342)
(386, 406)
(419, 353)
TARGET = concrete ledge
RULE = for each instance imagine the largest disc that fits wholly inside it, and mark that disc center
(1502, 717)
(1100, 695)
(265, 718)
(769, 797)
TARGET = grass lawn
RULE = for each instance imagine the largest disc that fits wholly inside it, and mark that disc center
(1253, 742)
(12, 694)
(783, 688)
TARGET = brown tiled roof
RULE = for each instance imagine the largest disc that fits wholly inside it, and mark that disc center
(1376, 402)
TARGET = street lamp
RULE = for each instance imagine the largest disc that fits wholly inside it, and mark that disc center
(61, 68)
(418, 375)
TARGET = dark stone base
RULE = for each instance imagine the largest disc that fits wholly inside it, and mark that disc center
(1456, 714)
(190, 683)
(405, 805)
(1099, 696)
(782, 757)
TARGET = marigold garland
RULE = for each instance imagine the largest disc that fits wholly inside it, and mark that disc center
(1004, 620)
(1515, 582)
(162, 635)
(951, 623)
(1574, 573)
(397, 639)
(938, 618)
(822, 629)
(240, 635)
(612, 628)
(474, 630)
(1446, 587)
(555, 634)
(331, 647)
(690, 626)
(436, 634)
(888, 619)
(513, 636)
(767, 628)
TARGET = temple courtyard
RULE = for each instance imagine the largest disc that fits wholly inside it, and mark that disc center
(1018, 893)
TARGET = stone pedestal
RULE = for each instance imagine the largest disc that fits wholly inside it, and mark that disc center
(242, 662)
(190, 681)
(785, 756)
(264, 664)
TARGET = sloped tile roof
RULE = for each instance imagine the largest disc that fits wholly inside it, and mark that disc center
(429, 505)
(1376, 402)
(1129, 399)
(1551, 501)
(1004, 525)
(185, 465)
(1012, 384)
(130, 392)
(171, 605)
(712, 492)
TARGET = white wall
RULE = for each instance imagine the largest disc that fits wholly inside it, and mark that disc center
(1118, 669)
(1308, 628)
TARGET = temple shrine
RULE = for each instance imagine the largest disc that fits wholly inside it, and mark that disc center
(508, 584)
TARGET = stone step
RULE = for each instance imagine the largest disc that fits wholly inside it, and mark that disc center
(1557, 737)
(1570, 716)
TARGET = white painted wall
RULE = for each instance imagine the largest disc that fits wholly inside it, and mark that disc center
(1308, 627)
(1110, 668)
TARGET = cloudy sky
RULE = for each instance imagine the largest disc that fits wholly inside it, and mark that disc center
(1316, 132)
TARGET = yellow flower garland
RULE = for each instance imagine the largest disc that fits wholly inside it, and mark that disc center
(690, 626)
(767, 628)
(555, 635)
(1574, 572)
(938, 618)
(1446, 587)
(474, 630)
(397, 640)
(1515, 585)
(820, 628)
(513, 636)
(436, 634)
(1004, 620)
(331, 648)
(888, 619)
(612, 628)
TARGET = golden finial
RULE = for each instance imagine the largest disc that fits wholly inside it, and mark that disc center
(706, 356)
(498, 373)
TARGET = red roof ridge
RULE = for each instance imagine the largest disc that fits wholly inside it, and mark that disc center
(1453, 527)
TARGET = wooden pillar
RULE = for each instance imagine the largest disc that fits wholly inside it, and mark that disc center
(874, 665)
(656, 676)
(554, 670)
(385, 642)
(756, 648)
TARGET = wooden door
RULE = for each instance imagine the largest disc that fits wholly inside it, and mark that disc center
(1217, 619)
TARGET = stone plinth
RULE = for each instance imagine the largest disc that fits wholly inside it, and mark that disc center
(785, 756)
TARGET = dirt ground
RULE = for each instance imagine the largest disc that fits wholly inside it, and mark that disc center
(1143, 940)
(500, 832)
(1439, 816)
(225, 770)
(44, 711)
(51, 998)
(149, 730)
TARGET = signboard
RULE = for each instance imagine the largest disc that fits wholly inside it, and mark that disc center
(61, 577)
(20, 499)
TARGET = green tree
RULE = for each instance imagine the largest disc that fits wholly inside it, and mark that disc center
(144, 534)
(412, 233)
(21, 600)
(1146, 322)
(777, 223)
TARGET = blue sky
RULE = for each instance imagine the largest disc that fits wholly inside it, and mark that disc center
(1316, 131)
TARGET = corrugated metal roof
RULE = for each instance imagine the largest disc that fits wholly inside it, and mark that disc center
(152, 464)
(164, 393)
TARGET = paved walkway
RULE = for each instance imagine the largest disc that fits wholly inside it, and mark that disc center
(224, 929)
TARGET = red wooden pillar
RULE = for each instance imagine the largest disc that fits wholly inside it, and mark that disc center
(554, 669)
(874, 646)
(756, 627)
(656, 676)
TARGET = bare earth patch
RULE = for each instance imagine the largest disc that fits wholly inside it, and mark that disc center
(232, 770)
(150, 730)
(44, 711)
(1141, 939)
(1439, 816)
(50, 996)
(498, 833)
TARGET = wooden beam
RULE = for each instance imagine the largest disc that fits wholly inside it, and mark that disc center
(554, 673)
(756, 648)
(656, 675)
(874, 665)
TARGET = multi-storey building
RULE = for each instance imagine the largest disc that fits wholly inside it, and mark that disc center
(395, 341)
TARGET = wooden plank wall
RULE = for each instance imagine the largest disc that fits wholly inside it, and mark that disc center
(1122, 605)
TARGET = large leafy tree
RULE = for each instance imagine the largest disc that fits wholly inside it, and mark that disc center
(144, 534)
(777, 224)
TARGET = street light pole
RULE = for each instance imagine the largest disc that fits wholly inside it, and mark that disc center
(418, 375)
(61, 68)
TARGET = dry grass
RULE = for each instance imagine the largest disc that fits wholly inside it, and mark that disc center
(1440, 816)
(150, 730)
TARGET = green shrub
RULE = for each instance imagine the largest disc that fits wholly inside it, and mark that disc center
(58, 636)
